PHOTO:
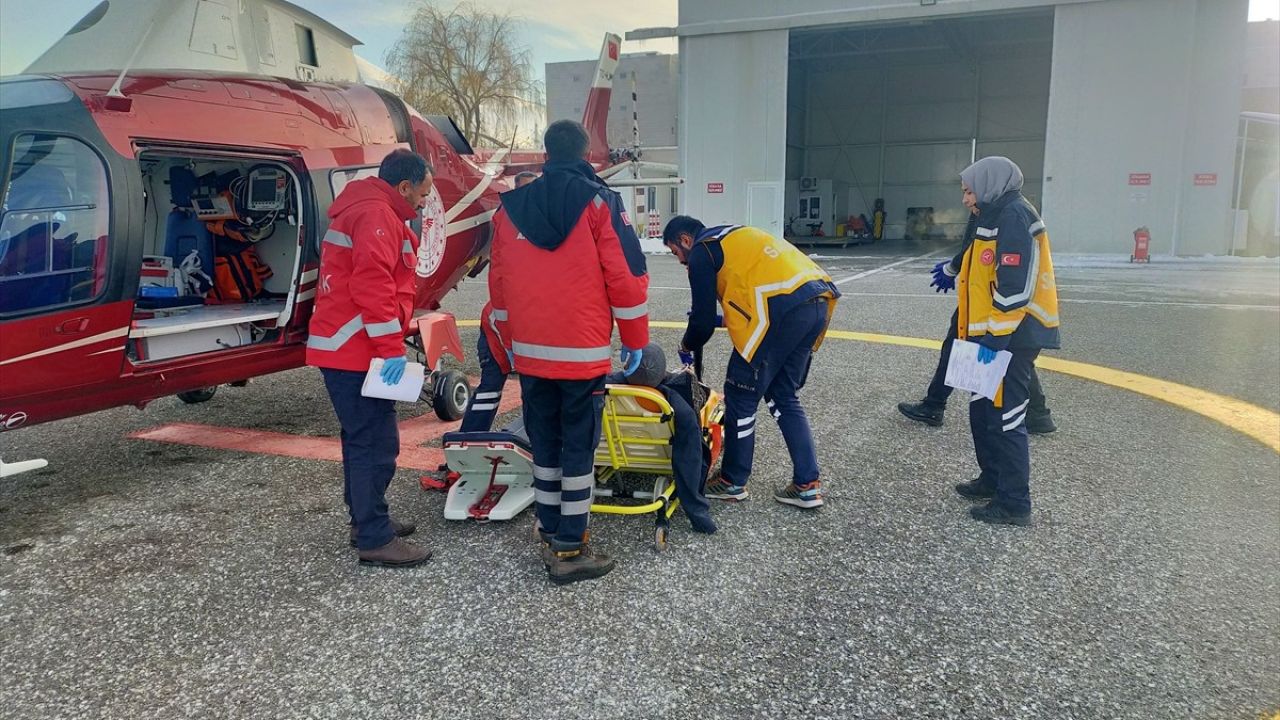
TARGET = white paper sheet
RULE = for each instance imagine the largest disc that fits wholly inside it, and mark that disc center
(964, 372)
(409, 389)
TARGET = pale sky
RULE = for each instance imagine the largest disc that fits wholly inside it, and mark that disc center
(559, 29)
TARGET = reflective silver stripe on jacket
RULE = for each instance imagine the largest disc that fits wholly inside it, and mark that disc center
(497, 314)
(383, 328)
(408, 247)
(994, 325)
(987, 232)
(1041, 313)
(338, 238)
(566, 354)
(631, 313)
(339, 338)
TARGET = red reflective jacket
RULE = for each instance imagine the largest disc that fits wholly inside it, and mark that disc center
(364, 297)
(566, 265)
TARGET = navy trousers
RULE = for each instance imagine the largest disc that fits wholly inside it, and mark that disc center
(562, 418)
(1000, 435)
(689, 462)
(370, 445)
(778, 371)
(483, 407)
(939, 390)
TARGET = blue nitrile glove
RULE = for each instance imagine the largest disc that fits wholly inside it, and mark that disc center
(630, 359)
(686, 356)
(393, 369)
(986, 354)
(941, 280)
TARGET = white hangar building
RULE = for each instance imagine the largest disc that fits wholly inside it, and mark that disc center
(1122, 113)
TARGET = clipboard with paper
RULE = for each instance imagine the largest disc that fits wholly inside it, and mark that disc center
(964, 372)
(409, 389)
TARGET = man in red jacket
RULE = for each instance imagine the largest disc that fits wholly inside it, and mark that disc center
(566, 265)
(363, 305)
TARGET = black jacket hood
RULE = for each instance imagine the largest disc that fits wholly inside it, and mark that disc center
(546, 210)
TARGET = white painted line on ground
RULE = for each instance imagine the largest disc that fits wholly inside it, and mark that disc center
(1085, 301)
(882, 268)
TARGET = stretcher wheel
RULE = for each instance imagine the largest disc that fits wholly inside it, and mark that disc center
(660, 486)
(660, 538)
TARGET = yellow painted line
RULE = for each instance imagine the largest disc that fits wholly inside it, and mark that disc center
(1258, 423)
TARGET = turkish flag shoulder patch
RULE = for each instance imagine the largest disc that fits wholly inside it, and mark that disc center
(1010, 259)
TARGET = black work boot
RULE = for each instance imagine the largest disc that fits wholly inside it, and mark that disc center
(396, 554)
(923, 411)
(547, 555)
(976, 489)
(1040, 422)
(995, 514)
(574, 563)
(400, 529)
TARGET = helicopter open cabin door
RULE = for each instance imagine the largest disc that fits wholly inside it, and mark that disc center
(222, 248)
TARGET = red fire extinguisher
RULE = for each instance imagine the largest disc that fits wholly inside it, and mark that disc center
(1141, 245)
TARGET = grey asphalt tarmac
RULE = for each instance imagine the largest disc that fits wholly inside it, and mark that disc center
(149, 580)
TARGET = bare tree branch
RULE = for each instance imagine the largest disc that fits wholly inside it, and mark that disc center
(465, 62)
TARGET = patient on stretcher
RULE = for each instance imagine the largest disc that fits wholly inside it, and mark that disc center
(690, 460)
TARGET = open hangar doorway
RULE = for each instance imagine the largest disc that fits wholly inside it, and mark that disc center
(896, 111)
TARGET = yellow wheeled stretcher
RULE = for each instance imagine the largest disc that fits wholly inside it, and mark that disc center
(638, 427)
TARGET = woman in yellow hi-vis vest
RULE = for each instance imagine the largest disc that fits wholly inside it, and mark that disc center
(776, 305)
(1008, 301)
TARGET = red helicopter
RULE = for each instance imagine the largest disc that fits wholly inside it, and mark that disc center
(122, 194)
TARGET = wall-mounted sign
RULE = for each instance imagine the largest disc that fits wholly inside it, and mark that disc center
(1203, 179)
(715, 187)
(1139, 178)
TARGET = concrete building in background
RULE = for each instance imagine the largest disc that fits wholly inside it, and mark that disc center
(1122, 113)
(1262, 69)
(656, 79)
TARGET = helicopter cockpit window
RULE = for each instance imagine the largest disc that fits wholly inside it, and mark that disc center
(53, 232)
(339, 178)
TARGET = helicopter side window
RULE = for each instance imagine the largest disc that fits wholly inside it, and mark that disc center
(53, 231)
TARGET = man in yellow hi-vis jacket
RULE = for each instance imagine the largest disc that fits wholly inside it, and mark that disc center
(776, 305)
(1008, 301)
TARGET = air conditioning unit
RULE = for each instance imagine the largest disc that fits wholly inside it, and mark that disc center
(808, 184)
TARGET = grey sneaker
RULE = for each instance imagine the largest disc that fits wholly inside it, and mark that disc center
(721, 489)
(806, 496)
